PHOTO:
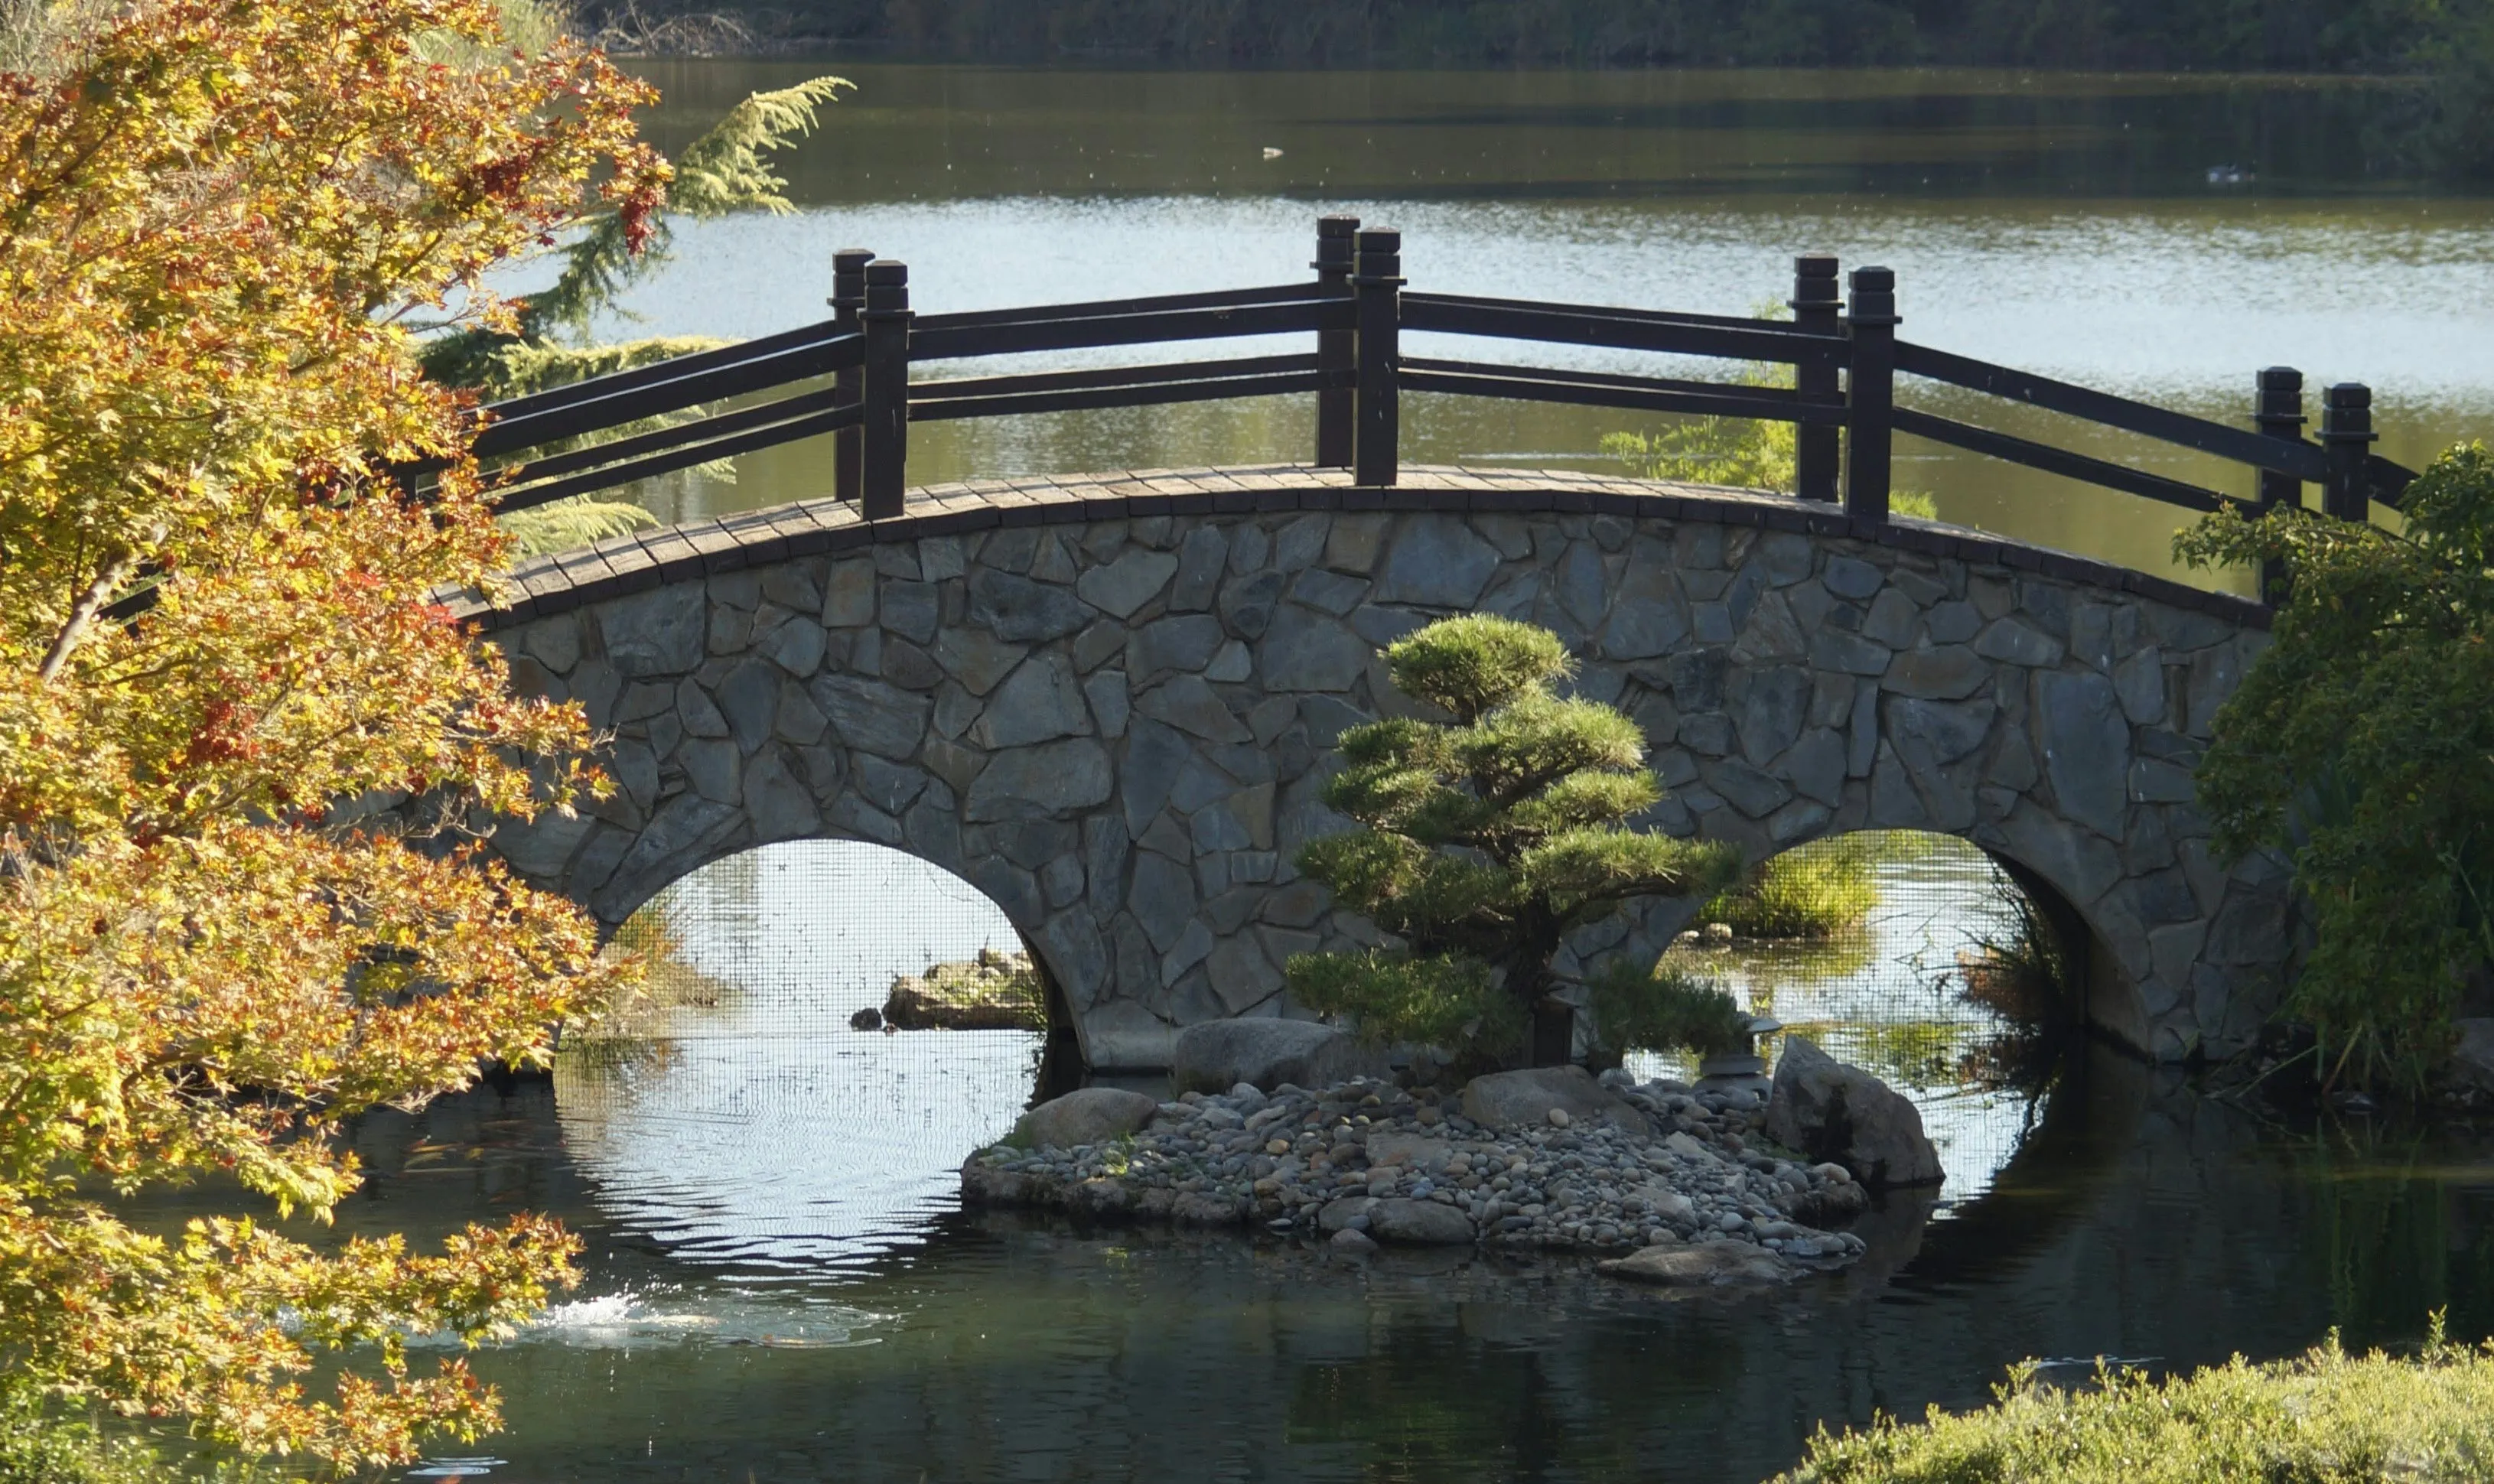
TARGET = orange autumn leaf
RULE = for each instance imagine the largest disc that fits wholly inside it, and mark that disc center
(225, 924)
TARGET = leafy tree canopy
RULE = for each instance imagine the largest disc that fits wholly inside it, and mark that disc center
(217, 220)
(1484, 839)
(2362, 747)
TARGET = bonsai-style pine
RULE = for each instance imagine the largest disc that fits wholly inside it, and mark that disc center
(1483, 842)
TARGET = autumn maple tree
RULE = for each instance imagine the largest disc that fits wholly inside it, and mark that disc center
(242, 748)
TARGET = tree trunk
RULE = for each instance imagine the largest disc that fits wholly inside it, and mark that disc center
(1554, 1033)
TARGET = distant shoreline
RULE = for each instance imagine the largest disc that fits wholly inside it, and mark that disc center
(2189, 37)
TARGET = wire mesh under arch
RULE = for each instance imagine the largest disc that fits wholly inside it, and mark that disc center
(1917, 956)
(755, 1105)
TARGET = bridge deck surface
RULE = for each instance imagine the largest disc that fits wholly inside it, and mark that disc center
(649, 559)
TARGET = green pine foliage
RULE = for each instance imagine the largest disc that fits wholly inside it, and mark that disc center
(1482, 840)
(567, 525)
(724, 171)
(2358, 748)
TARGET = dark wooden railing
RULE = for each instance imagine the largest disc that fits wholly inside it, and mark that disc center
(850, 375)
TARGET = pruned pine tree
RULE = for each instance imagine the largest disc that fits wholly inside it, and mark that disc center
(1484, 840)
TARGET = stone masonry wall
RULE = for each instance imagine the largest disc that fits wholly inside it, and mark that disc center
(1109, 704)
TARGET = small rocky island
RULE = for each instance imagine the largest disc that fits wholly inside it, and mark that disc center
(1673, 1184)
(993, 992)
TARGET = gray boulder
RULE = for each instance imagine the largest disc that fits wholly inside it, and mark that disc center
(1516, 1100)
(1709, 1264)
(1216, 1055)
(1347, 1213)
(1419, 1223)
(1090, 1115)
(2472, 1061)
(1836, 1112)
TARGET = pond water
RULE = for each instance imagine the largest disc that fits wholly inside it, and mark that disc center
(780, 1284)
(2063, 225)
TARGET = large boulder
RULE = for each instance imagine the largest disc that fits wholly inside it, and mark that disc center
(1836, 1112)
(1709, 1264)
(1217, 1055)
(1419, 1223)
(2472, 1061)
(1392, 1218)
(1090, 1115)
(1516, 1100)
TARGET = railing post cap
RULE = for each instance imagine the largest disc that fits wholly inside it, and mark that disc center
(886, 271)
(2281, 379)
(1874, 299)
(2347, 396)
(852, 259)
(1815, 266)
(1380, 239)
(1337, 226)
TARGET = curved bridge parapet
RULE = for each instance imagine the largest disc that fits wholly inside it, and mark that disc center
(1107, 702)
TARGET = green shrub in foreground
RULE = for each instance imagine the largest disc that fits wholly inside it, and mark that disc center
(39, 1445)
(2355, 748)
(2324, 1417)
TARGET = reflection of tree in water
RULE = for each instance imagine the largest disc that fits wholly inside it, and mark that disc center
(1591, 1395)
(2400, 1229)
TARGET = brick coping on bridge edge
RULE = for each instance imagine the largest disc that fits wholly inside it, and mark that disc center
(624, 565)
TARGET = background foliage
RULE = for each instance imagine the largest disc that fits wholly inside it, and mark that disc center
(2250, 35)
(2358, 748)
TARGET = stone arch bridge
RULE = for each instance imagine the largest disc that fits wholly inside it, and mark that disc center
(1107, 702)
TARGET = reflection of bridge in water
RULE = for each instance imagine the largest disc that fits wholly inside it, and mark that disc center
(1105, 700)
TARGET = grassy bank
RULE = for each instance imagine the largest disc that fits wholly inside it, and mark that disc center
(2322, 1416)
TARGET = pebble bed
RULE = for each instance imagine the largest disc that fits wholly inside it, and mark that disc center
(1282, 1161)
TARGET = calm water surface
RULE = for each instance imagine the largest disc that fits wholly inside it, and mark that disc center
(780, 1284)
(2061, 224)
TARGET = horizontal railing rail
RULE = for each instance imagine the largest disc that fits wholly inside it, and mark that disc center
(659, 398)
(1647, 394)
(2301, 460)
(1841, 347)
(1052, 391)
(1218, 298)
(932, 340)
(1754, 340)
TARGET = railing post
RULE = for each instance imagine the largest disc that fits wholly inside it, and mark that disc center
(885, 443)
(1337, 350)
(2278, 411)
(1376, 286)
(2346, 436)
(848, 298)
(1870, 392)
(1817, 308)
